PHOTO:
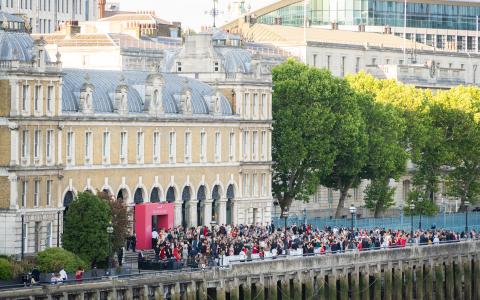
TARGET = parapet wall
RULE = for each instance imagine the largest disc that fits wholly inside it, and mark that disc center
(448, 271)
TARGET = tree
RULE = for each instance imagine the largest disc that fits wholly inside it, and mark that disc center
(54, 259)
(119, 219)
(422, 206)
(379, 196)
(303, 126)
(85, 228)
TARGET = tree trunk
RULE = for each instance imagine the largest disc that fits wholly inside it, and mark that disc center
(341, 202)
(377, 212)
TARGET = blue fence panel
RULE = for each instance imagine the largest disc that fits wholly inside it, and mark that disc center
(455, 221)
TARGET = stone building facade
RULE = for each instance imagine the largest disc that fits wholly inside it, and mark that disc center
(197, 135)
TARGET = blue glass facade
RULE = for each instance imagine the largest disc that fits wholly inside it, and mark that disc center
(378, 13)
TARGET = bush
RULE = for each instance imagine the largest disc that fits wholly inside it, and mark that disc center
(5, 269)
(53, 259)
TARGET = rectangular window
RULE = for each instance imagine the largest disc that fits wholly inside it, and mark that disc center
(231, 146)
(254, 185)
(50, 99)
(188, 146)
(357, 65)
(36, 98)
(36, 144)
(216, 66)
(314, 60)
(179, 66)
(25, 139)
(106, 146)
(70, 145)
(140, 146)
(88, 147)
(255, 105)
(328, 62)
(342, 73)
(36, 191)
(263, 106)
(264, 185)
(172, 146)
(24, 194)
(50, 143)
(245, 144)
(123, 145)
(203, 146)
(156, 146)
(254, 145)
(218, 149)
(25, 237)
(48, 238)
(25, 97)
(246, 103)
(263, 145)
(49, 192)
(374, 61)
(246, 184)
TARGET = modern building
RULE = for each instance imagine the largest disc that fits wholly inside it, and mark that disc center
(196, 134)
(445, 25)
(44, 16)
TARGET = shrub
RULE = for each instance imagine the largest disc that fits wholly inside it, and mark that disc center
(5, 269)
(53, 259)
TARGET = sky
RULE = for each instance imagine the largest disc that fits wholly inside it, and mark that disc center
(192, 13)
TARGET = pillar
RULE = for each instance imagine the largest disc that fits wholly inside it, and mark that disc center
(308, 281)
(222, 211)
(397, 284)
(343, 285)
(202, 291)
(175, 292)
(159, 292)
(332, 286)
(178, 213)
(192, 213)
(112, 295)
(388, 282)
(439, 287)
(458, 274)
(234, 292)
(128, 293)
(260, 287)
(476, 279)
(297, 287)
(320, 288)
(14, 192)
(207, 212)
(220, 290)
(467, 275)
(377, 285)
(428, 279)
(408, 283)
(364, 285)
(247, 290)
(272, 288)
(419, 286)
(80, 296)
(191, 291)
(286, 288)
(449, 288)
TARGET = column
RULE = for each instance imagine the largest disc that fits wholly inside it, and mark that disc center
(178, 213)
(332, 286)
(343, 286)
(220, 291)
(428, 279)
(297, 287)
(14, 98)
(476, 279)
(449, 291)
(128, 293)
(388, 282)
(247, 290)
(175, 292)
(234, 290)
(260, 288)
(285, 288)
(397, 284)
(207, 212)
(419, 286)
(202, 291)
(320, 289)
(192, 213)
(408, 283)
(234, 211)
(272, 288)
(354, 283)
(159, 292)
(308, 281)
(467, 275)
(222, 211)
(191, 291)
(58, 145)
(439, 278)
(13, 191)
(377, 286)
(14, 144)
(145, 293)
(364, 285)
(458, 274)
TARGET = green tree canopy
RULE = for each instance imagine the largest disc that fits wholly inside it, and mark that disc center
(119, 212)
(85, 228)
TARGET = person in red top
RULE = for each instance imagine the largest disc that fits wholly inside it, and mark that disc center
(162, 253)
(255, 249)
(359, 246)
(79, 274)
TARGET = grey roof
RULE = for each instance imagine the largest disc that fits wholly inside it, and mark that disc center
(223, 35)
(15, 46)
(10, 18)
(234, 59)
(105, 83)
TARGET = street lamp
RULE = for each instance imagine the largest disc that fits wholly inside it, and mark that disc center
(58, 229)
(305, 216)
(412, 207)
(353, 211)
(109, 231)
(420, 200)
(23, 233)
(466, 204)
(285, 216)
(212, 225)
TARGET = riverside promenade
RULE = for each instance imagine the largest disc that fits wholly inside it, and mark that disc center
(445, 271)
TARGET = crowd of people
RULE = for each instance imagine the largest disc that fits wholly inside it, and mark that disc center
(204, 246)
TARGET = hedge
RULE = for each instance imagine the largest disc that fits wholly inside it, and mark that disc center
(6, 272)
(53, 259)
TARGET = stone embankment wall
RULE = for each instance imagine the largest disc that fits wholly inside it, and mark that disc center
(449, 271)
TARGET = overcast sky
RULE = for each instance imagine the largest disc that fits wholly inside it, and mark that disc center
(190, 12)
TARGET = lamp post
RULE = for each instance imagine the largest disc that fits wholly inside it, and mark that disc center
(353, 211)
(212, 225)
(22, 241)
(285, 216)
(305, 216)
(109, 231)
(412, 207)
(466, 204)
(420, 200)
(58, 229)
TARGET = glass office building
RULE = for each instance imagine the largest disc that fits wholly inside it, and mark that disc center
(429, 14)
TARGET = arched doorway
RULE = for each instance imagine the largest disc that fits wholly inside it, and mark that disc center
(122, 195)
(67, 200)
(185, 204)
(230, 197)
(138, 196)
(171, 195)
(155, 195)
(216, 203)
(201, 197)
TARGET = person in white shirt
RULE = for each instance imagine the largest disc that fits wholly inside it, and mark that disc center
(63, 274)
(154, 238)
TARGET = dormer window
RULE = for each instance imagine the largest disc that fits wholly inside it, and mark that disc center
(216, 66)
(179, 66)
(156, 97)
